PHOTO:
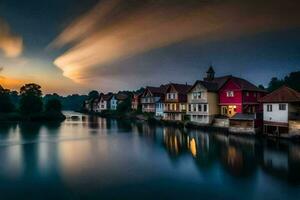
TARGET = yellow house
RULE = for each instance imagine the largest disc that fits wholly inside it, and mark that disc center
(203, 102)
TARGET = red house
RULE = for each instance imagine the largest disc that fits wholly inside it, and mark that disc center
(239, 96)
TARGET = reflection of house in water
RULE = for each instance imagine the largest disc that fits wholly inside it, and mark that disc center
(93, 122)
(283, 161)
(201, 148)
(174, 140)
(238, 155)
(198, 143)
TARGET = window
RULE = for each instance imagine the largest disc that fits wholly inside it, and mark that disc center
(196, 95)
(254, 94)
(190, 109)
(247, 94)
(194, 108)
(183, 107)
(199, 107)
(282, 106)
(269, 108)
(205, 108)
(230, 94)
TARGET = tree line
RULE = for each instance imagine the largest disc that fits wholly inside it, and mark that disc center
(291, 80)
(28, 104)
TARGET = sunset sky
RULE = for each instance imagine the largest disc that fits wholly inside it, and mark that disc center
(74, 46)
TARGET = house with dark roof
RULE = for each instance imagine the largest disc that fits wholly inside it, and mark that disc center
(203, 102)
(281, 110)
(103, 102)
(203, 98)
(152, 98)
(237, 95)
(175, 101)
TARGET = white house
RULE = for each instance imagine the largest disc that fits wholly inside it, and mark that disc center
(282, 111)
(104, 102)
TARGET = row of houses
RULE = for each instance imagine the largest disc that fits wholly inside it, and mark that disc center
(105, 102)
(235, 102)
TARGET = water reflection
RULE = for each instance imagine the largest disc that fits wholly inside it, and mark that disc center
(93, 155)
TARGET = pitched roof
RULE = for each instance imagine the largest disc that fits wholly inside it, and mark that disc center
(156, 91)
(246, 85)
(121, 96)
(219, 81)
(282, 95)
(210, 86)
(106, 97)
(180, 88)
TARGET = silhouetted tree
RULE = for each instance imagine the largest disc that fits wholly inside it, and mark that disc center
(6, 104)
(31, 98)
(93, 94)
(292, 80)
(261, 87)
(274, 84)
(53, 105)
(124, 106)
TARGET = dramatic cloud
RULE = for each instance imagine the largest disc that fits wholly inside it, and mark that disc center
(10, 44)
(115, 29)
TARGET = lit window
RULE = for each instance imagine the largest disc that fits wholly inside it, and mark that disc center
(282, 106)
(247, 94)
(230, 94)
(269, 108)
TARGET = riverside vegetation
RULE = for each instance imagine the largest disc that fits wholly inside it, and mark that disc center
(28, 105)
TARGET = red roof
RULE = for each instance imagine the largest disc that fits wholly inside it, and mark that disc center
(282, 95)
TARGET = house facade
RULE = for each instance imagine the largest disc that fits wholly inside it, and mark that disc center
(159, 108)
(175, 103)
(281, 112)
(104, 102)
(239, 96)
(202, 101)
(150, 98)
(136, 101)
(113, 102)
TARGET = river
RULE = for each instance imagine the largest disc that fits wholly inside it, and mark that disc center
(88, 157)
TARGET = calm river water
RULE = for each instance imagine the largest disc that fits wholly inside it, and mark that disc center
(96, 158)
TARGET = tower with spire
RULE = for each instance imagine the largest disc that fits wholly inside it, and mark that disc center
(210, 74)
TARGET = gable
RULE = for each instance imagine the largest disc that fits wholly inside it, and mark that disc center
(231, 85)
(171, 89)
(147, 93)
(199, 88)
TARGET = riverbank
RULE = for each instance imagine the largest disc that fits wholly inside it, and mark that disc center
(43, 117)
(220, 124)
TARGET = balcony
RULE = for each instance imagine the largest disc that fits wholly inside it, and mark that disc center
(197, 112)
